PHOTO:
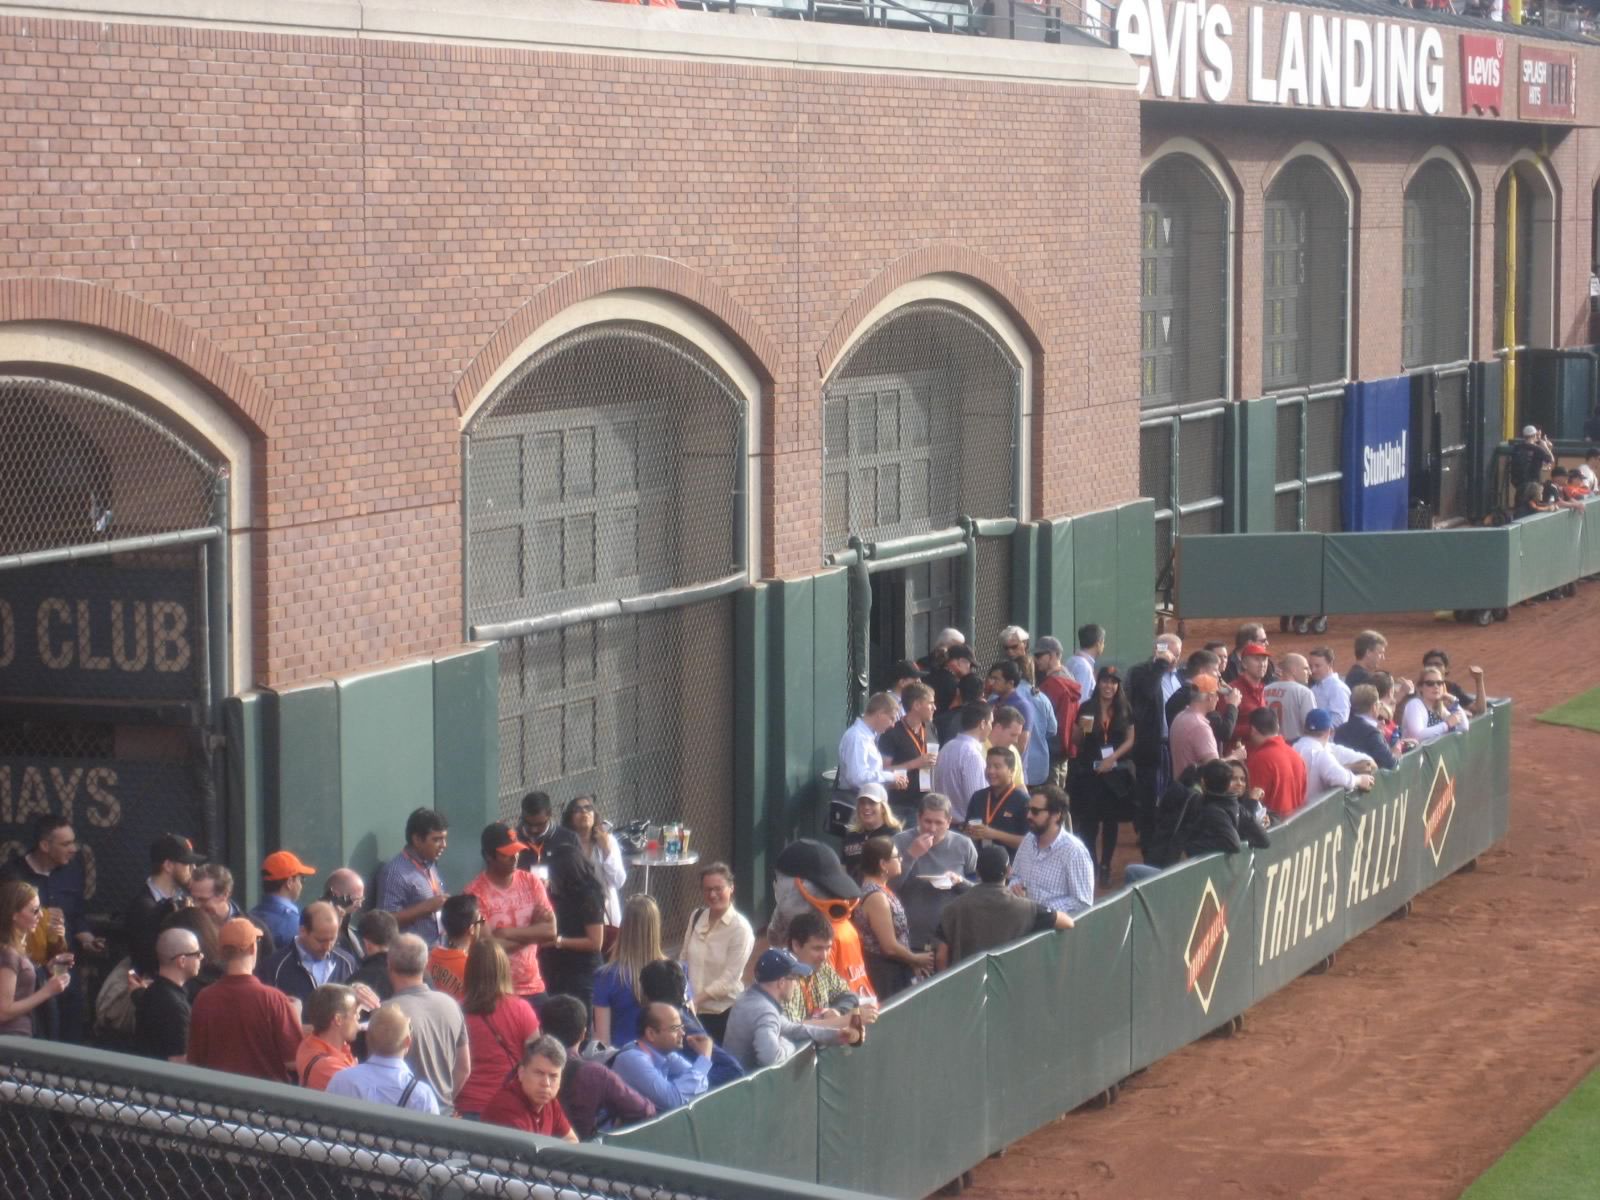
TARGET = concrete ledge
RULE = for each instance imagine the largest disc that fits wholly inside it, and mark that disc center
(585, 26)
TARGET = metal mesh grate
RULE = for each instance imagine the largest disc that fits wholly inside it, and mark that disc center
(78, 466)
(1183, 284)
(114, 1131)
(919, 427)
(1155, 463)
(1291, 420)
(1436, 267)
(992, 613)
(1452, 403)
(1324, 433)
(606, 468)
(1200, 459)
(1304, 277)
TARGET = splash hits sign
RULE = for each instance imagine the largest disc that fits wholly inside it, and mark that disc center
(1186, 50)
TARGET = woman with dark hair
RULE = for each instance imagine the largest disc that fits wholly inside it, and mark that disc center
(568, 964)
(881, 920)
(499, 1024)
(582, 816)
(1101, 776)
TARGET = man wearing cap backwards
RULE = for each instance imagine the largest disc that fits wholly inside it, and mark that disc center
(809, 875)
(1251, 684)
(283, 878)
(1192, 740)
(515, 907)
(312, 957)
(172, 864)
(759, 1034)
(1324, 772)
(239, 1024)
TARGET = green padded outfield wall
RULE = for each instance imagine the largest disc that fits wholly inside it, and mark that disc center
(1099, 567)
(1255, 468)
(1281, 573)
(331, 768)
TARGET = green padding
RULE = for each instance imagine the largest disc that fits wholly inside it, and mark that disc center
(767, 1123)
(1234, 574)
(245, 725)
(1084, 977)
(386, 768)
(1551, 546)
(1378, 864)
(1094, 577)
(1136, 584)
(304, 779)
(1295, 895)
(752, 677)
(1419, 570)
(466, 752)
(1456, 819)
(795, 696)
(1060, 616)
(1027, 577)
(1255, 505)
(1499, 786)
(1589, 551)
(1179, 919)
(902, 1115)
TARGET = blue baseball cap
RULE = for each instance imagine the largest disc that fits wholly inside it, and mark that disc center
(777, 964)
(1319, 720)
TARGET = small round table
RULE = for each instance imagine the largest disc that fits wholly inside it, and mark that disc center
(658, 859)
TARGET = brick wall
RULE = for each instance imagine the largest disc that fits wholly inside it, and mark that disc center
(348, 224)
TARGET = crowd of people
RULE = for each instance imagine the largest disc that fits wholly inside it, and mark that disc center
(981, 809)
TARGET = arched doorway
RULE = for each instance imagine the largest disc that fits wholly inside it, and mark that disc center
(1305, 277)
(605, 512)
(114, 629)
(922, 427)
(1436, 267)
(1184, 223)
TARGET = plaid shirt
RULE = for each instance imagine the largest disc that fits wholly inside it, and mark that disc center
(1059, 876)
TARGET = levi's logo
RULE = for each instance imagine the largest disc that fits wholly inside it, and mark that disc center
(1208, 942)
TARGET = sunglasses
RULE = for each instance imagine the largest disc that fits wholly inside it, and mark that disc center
(1433, 683)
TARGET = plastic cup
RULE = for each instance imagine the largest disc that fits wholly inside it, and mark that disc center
(684, 838)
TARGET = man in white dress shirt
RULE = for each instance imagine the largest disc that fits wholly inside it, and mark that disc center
(1324, 772)
(860, 760)
(1332, 693)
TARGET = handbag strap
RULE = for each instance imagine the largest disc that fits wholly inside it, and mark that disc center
(405, 1096)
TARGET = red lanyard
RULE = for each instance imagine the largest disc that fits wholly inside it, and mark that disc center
(990, 807)
(427, 871)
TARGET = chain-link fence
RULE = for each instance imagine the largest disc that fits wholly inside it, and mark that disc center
(1436, 267)
(1305, 277)
(76, 1123)
(1310, 454)
(603, 474)
(1183, 284)
(920, 427)
(78, 466)
(1183, 455)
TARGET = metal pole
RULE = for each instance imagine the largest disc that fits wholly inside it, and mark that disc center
(860, 601)
(466, 535)
(1509, 405)
(153, 541)
(218, 624)
(967, 597)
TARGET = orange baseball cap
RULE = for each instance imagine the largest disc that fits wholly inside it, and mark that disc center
(282, 864)
(240, 933)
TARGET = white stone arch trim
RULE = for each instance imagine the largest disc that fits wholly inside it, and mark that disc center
(1469, 184)
(675, 316)
(1341, 177)
(1224, 181)
(174, 398)
(965, 293)
(1546, 215)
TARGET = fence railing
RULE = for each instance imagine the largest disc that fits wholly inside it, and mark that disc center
(78, 1122)
(1145, 971)
(1016, 20)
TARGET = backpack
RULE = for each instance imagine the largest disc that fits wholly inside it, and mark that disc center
(1174, 810)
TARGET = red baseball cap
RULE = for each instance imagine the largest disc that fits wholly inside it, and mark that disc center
(282, 864)
(1255, 650)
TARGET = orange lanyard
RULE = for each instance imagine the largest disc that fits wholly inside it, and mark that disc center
(920, 742)
(990, 807)
(426, 870)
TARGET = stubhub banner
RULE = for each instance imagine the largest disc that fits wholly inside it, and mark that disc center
(1377, 428)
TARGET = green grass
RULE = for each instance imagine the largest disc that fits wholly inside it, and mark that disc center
(1581, 712)
(1558, 1159)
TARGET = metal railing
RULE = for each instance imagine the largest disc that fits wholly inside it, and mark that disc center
(1309, 472)
(75, 1121)
(1189, 486)
(1016, 20)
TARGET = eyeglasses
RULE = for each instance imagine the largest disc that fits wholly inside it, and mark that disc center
(188, 954)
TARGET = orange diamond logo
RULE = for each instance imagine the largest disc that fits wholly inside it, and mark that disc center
(1437, 812)
(1208, 942)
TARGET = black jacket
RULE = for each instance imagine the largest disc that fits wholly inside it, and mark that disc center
(1144, 697)
(1222, 823)
(1358, 735)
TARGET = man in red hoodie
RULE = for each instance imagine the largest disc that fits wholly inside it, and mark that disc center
(1251, 685)
(1277, 772)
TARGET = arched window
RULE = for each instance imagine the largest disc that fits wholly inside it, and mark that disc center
(1436, 267)
(921, 427)
(603, 479)
(1305, 277)
(1183, 284)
